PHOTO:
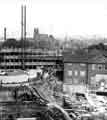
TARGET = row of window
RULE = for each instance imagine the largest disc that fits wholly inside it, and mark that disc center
(83, 73)
(99, 66)
(81, 64)
(76, 73)
(11, 57)
(29, 63)
(94, 66)
(10, 63)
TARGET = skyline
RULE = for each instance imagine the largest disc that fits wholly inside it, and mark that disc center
(60, 18)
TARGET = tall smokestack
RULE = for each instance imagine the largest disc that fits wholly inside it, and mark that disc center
(4, 33)
(22, 22)
(23, 32)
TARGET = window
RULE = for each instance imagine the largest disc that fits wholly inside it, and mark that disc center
(106, 66)
(82, 64)
(76, 73)
(92, 80)
(69, 64)
(100, 67)
(93, 66)
(70, 73)
(82, 73)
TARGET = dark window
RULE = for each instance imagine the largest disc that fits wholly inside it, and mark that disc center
(100, 67)
(106, 66)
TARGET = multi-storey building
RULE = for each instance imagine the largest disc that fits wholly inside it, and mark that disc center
(75, 68)
(30, 59)
(97, 68)
(88, 67)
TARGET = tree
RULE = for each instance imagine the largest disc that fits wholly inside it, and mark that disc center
(10, 43)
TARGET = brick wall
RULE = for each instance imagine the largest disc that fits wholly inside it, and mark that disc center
(93, 71)
(75, 73)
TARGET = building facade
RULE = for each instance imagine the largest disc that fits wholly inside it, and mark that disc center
(86, 68)
(14, 59)
(75, 68)
(97, 68)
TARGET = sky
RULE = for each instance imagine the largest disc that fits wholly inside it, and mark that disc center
(61, 18)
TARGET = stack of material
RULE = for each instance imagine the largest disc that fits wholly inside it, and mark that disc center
(48, 87)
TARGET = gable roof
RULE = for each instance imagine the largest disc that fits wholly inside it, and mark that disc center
(75, 56)
(81, 56)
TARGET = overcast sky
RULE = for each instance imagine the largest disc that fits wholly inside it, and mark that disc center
(58, 17)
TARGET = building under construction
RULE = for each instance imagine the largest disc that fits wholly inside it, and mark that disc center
(30, 58)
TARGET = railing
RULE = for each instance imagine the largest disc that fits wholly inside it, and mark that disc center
(11, 57)
(33, 51)
(39, 63)
(10, 63)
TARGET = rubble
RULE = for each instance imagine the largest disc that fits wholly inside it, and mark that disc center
(46, 90)
(48, 85)
(87, 105)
